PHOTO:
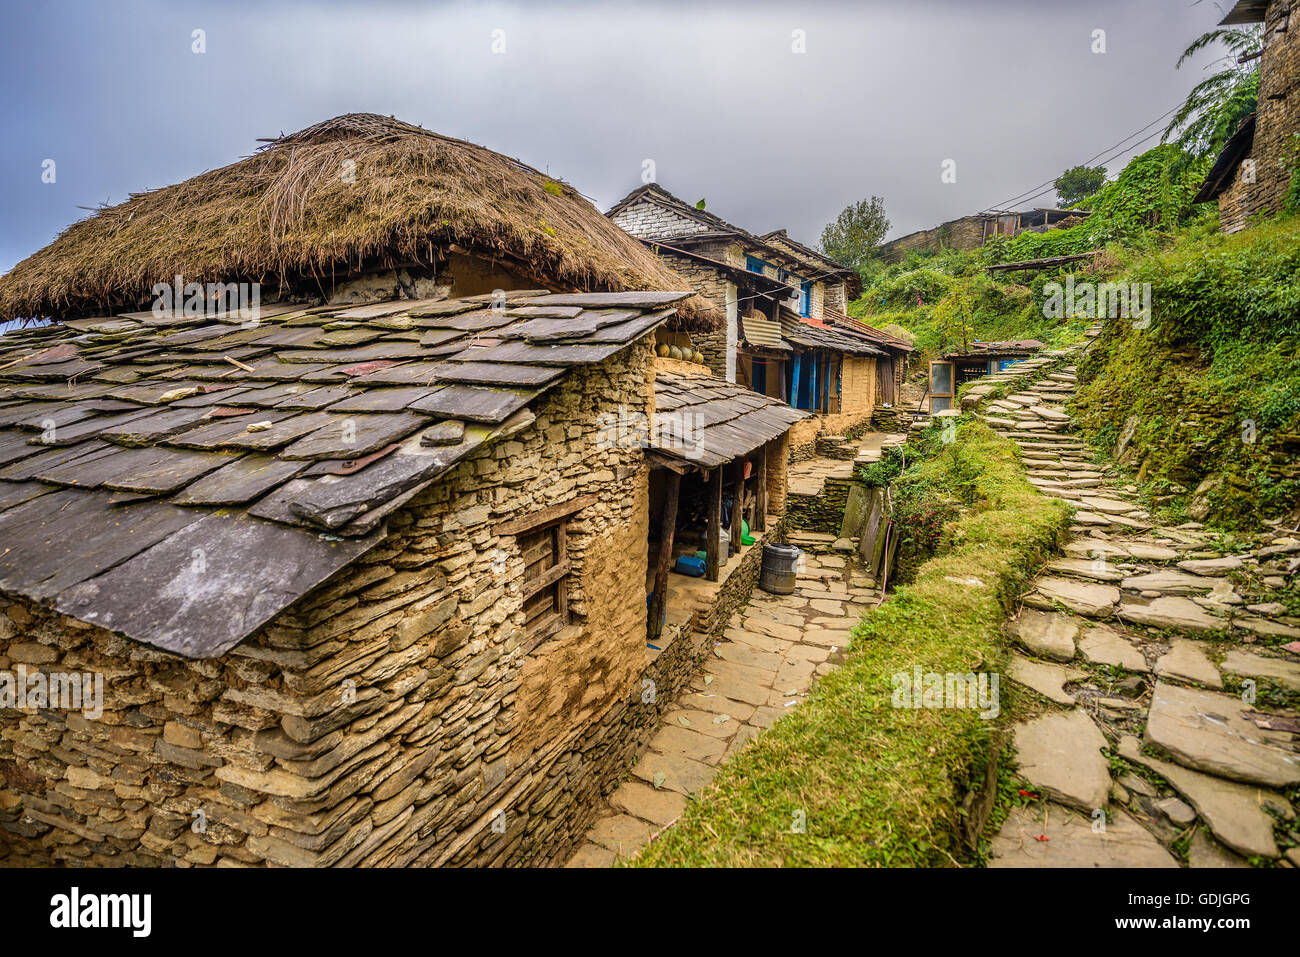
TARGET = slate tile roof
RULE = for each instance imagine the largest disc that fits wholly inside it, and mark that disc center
(794, 329)
(183, 479)
(708, 421)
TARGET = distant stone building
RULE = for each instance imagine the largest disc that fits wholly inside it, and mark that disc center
(971, 232)
(1253, 172)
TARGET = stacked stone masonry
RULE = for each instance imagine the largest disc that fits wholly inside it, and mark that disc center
(1260, 184)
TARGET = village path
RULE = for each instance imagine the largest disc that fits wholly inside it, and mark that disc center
(809, 476)
(773, 651)
(1138, 645)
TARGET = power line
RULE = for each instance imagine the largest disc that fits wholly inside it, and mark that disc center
(1051, 183)
(1107, 160)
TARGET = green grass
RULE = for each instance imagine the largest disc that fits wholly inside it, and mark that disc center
(879, 785)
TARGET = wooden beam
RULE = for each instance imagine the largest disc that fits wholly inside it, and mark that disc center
(760, 491)
(738, 503)
(546, 578)
(667, 531)
(713, 542)
(544, 516)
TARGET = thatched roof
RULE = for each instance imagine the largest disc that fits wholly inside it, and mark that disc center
(289, 216)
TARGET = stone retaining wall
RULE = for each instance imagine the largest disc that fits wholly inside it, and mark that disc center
(820, 513)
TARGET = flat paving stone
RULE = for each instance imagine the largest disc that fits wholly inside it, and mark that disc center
(813, 653)
(1212, 566)
(1091, 569)
(793, 674)
(1060, 753)
(1234, 812)
(705, 722)
(1047, 679)
(708, 700)
(660, 807)
(721, 668)
(1072, 841)
(592, 855)
(1082, 598)
(620, 833)
(1187, 661)
(746, 734)
(757, 641)
(1046, 634)
(1173, 613)
(749, 656)
(1279, 670)
(1103, 645)
(1150, 553)
(1207, 732)
(1205, 852)
(675, 739)
(1170, 582)
(765, 626)
(768, 715)
(826, 607)
(680, 774)
(826, 637)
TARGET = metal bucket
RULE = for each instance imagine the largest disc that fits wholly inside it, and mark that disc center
(778, 571)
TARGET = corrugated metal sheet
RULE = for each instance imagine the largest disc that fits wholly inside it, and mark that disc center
(762, 332)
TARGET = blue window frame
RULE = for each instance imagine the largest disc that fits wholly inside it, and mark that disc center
(760, 377)
(754, 264)
(805, 298)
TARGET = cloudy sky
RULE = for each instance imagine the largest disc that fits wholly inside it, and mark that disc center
(715, 94)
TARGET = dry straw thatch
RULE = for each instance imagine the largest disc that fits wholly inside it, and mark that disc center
(291, 214)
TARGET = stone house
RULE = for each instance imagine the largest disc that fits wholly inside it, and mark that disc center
(737, 271)
(784, 305)
(1254, 171)
(356, 574)
(951, 370)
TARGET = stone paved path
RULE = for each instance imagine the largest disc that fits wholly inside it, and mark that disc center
(809, 477)
(1136, 643)
(762, 667)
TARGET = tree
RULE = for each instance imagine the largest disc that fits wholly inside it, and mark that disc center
(852, 239)
(1078, 183)
(1216, 105)
(954, 314)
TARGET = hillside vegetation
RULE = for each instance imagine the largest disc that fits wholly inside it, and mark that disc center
(1201, 402)
(948, 299)
(1205, 402)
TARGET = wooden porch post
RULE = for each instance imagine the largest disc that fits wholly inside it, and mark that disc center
(738, 502)
(667, 530)
(760, 490)
(713, 543)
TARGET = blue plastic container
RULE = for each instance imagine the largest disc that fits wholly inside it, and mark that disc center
(690, 565)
